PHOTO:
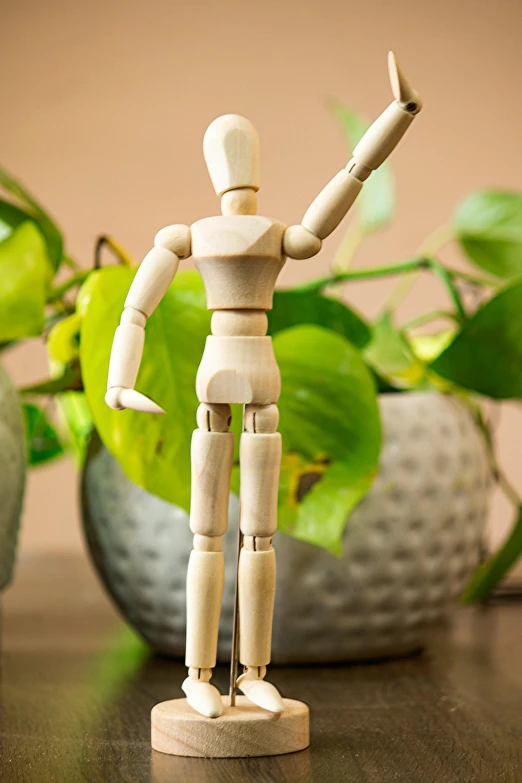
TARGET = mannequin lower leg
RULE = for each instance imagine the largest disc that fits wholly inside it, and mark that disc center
(260, 458)
(257, 583)
(205, 580)
(212, 454)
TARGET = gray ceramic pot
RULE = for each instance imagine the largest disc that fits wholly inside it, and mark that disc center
(408, 550)
(12, 474)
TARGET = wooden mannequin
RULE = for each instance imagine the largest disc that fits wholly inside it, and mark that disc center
(239, 255)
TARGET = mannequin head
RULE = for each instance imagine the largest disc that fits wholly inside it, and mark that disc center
(231, 150)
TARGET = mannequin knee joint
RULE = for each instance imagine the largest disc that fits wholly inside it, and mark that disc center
(214, 417)
(257, 543)
(207, 543)
(261, 418)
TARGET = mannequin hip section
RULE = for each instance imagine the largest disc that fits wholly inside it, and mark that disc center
(238, 369)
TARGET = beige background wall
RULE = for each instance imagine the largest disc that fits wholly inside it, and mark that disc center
(104, 105)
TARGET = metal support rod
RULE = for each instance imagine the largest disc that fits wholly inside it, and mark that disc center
(234, 654)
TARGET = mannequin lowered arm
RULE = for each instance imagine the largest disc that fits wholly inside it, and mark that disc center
(152, 280)
(333, 202)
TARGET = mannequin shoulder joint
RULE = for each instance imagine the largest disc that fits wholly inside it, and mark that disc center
(175, 238)
(300, 243)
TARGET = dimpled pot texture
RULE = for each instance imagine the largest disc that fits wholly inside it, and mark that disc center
(408, 549)
(12, 474)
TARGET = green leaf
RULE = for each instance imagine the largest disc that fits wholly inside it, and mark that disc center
(427, 347)
(75, 415)
(391, 357)
(328, 406)
(24, 275)
(377, 198)
(154, 451)
(292, 308)
(42, 439)
(488, 225)
(51, 233)
(486, 355)
(63, 341)
(69, 378)
(329, 420)
(490, 574)
(382, 385)
(11, 217)
(322, 515)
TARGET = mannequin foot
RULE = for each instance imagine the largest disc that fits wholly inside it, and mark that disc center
(260, 692)
(203, 697)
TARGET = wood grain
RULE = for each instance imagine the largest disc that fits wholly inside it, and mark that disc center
(231, 150)
(77, 689)
(238, 370)
(241, 731)
(239, 258)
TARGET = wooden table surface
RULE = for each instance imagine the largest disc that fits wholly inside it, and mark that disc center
(77, 688)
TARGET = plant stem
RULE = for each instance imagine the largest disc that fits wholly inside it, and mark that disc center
(436, 240)
(60, 290)
(483, 282)
(425, 318)
(71, 263)
(348, 249)
(70, 380)
(429, 247)
(104, 241)
(505, 485)
(491, 572)
(408, 266)
(444, 275)
(118, 250)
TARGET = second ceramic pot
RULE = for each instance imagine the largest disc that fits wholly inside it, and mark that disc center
(13, 462)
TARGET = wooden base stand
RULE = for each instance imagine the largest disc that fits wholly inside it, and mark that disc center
(241, 731)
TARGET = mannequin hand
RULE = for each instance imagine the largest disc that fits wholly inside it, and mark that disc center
(120, 398)
(407, 98)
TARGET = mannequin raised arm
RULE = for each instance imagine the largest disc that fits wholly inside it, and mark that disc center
(326, 212)
(152, 280)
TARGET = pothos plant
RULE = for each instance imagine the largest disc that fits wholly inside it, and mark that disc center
(333, 362)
